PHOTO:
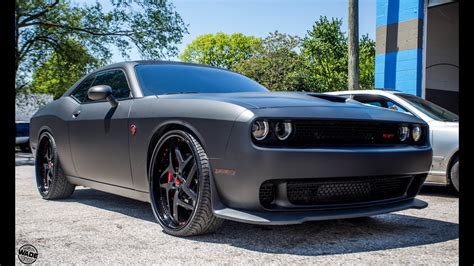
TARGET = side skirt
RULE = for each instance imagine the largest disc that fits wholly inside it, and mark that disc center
(117, 190)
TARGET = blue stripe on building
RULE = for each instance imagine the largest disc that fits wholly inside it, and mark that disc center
(399, 69)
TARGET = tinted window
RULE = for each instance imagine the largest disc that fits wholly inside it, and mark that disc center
(379, 101)
(374, 103)
(116, 80)
(430, 109)
(170, 79)
(80, 93)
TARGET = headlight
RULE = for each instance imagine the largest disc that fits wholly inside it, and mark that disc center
(416, 133)
(260, 129)
(283, 130)
(403, 133)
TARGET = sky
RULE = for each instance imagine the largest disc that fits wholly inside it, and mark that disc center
(259, 17)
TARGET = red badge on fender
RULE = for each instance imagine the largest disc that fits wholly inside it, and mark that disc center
(133, 129)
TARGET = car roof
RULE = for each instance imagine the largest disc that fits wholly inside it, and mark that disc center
(133, 63)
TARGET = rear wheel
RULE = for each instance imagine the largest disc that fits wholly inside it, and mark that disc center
(180, 186)
(454, 174)
(50, 179)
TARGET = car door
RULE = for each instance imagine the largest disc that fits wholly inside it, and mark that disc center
(98, 132)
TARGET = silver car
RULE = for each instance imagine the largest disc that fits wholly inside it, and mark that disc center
(444, 128)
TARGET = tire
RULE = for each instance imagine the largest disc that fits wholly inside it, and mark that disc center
(50, 178)
(182, 208)
(454, 174)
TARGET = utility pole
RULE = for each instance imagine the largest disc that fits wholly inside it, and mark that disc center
(353, 62)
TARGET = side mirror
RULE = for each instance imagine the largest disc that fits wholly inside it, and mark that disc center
(102, 92)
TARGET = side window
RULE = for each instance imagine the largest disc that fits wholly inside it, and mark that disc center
(116, 80)
(369, 99)
(80, 93)
(379, 101)
(374, 104)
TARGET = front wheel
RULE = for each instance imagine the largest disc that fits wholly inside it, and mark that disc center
(454, 174)
(180, 186)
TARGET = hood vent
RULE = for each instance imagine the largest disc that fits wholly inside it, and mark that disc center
(332, 98)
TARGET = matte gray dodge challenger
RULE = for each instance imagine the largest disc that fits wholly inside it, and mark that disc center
(201, 144)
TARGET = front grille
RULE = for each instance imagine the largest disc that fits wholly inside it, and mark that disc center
(343, 133)
(320, 133)
(267, 193)
(346, 191)
(336, 191)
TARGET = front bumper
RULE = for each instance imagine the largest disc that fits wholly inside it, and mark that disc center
(238, 176)
(298, 217)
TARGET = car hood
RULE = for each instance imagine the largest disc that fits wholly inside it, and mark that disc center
(258, 100)
(298, 105)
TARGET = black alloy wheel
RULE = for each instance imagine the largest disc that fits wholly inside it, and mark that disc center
(179, 187)
(50, 179)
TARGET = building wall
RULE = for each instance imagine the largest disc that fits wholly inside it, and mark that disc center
(442, 56)
(399, 41)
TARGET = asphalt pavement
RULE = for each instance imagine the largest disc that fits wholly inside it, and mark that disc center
(94, 227)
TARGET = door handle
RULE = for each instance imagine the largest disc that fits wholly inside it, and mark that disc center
(76, 114)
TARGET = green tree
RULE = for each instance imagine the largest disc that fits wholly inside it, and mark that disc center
(276, 63)
(58, 73)
(324, 50)
(220, 49)
(44, 27)
(367, 62)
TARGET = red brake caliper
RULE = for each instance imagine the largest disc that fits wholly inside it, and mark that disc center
(170, 177)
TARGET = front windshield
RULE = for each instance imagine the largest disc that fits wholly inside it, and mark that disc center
(161, 79)
(430, 109)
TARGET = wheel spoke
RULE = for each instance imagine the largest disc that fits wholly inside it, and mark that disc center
(183, 165)
(189, 192)
(190, 175)
(175, 207)
(179, 156)
(184, 204)
(170, 158)
(49, 154)
(166, 186)
(167, 170)
(49, 177)
(181, 161)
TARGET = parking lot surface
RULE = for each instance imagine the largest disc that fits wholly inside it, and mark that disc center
(94, 227)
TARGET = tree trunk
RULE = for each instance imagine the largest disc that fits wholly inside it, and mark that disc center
(353, 62)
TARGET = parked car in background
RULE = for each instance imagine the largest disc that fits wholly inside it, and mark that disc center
(23, 135)
(443, 124)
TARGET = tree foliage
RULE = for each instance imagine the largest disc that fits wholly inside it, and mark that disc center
(58, 73)
(47, 27)
(318, 62)
(276, 63)
(220, 49)
(367, 62)
(324, 50)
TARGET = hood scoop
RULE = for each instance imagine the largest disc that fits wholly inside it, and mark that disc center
(332, 98)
